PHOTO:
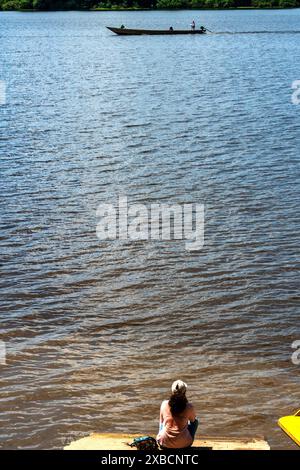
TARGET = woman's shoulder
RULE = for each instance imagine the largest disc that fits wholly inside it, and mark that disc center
(164, 404)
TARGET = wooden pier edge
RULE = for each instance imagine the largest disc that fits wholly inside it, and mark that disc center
(114, 441)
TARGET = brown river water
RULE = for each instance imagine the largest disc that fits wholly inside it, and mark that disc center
(96, 331)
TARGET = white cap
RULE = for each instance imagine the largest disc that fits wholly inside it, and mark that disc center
(179, 387)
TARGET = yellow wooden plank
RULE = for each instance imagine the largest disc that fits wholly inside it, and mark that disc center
(119, 442)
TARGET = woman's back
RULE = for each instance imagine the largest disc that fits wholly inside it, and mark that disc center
(174, 432)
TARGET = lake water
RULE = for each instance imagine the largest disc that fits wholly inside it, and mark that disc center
(95, 331)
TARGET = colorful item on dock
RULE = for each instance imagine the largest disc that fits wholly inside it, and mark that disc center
(291, 426)
(144, 443)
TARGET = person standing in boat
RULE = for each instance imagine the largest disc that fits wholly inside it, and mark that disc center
(193, 25)
(178, 423)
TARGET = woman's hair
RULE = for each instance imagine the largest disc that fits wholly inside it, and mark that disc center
(177, 403)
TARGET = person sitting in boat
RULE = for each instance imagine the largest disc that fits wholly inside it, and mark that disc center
(178, 423)
(122, 26)
(193, 25)
(202, 29)
(171, 28)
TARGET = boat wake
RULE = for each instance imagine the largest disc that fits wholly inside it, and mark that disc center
(254, 32)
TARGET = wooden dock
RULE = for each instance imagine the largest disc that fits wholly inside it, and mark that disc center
(119, 442)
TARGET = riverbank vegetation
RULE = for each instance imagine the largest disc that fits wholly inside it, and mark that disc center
(48, 5)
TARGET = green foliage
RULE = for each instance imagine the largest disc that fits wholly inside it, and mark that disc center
(10, 5)
(197, 3)
(25, 4)
(172, 4)
(219, 3)
(42, 5)
(265, 3)
(288, 3)
(104, 5)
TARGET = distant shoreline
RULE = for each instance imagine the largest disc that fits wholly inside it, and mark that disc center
(190, 8)
(151, 9)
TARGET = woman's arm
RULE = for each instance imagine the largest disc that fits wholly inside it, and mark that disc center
(161, 418)
(192, 413)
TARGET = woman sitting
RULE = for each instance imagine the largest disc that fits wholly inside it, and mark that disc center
(178, 422)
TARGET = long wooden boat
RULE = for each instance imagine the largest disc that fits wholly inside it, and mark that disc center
(139, 32)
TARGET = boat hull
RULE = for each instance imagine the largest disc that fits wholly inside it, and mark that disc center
(153, 32)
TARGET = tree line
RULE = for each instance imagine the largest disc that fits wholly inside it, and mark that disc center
(48, 5)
